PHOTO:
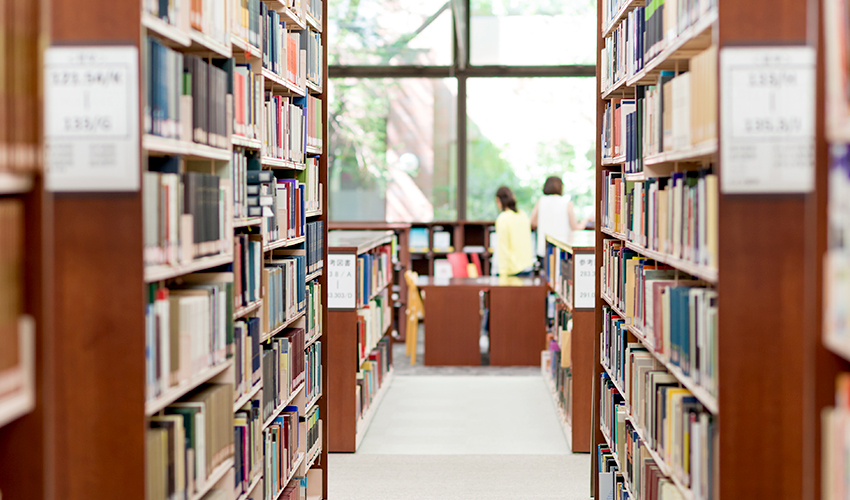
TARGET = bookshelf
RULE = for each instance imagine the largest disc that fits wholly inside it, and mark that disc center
(568, 361)
(752, 353)
(402, 238)
(469, 237)
(641, 261)
(26, 226)
(360, 323)
(215, 133)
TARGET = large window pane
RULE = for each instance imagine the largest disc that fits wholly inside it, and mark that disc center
(532, 33)
(390, 32)
(521, 130)
(393, 150)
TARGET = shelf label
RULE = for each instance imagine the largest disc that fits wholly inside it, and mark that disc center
(92, 118)
(585, 288)
(767, 112)
(342, 281)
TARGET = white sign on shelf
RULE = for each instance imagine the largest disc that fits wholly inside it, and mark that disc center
(767, 112)
(585, 284)
(342, 281)
(91, 117)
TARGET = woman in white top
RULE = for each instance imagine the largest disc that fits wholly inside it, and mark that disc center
(554, 215)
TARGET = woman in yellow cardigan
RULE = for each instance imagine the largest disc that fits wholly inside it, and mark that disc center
(513, 234)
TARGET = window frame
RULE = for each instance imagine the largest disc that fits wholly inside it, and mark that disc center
(461, 70)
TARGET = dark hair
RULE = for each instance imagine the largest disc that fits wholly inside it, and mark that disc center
(553, 185)
(506, 197)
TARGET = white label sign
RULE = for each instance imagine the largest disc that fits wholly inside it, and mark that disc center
(92, 118)
(342, 282)
(585, 284)
(767, 119)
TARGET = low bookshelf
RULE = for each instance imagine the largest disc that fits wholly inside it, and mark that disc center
(570, 272)
(360, 310)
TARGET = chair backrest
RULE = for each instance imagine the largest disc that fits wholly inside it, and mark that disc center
(458, 261)
(414, 300)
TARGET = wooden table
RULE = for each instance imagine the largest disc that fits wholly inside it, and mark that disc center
(453, 320)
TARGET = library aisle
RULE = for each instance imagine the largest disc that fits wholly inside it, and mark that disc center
(476, 432)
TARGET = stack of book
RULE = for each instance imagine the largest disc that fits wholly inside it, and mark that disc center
(374, 273)
(675, 216)
(186, 216)
(247, 269)
(187, 329)
(282, 49)
(373, 320)
(284, 278)
(245, 17)
(285, 128)
(282, 442)
(314, 309)
(313, 386)
(188, 442)
(371, 376)
(248, 439)
(314, 122)
(283, 369)
(247, 101)
(247, 355)
(310, 177)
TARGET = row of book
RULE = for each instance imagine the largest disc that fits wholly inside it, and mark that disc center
(293, 54)
(186, 216)
(187, 98)
(314, 309)
(315, 246)
(835, 425)
(314, 122)
(248, 460)
(663, 418)
(313, 374)
(676, 216)
(374, 273)
(283, 369)
(313, 424)
(280, 203)
(11, 279)
(248, 95)
(247, 362)
(187, 329)
(836, 319)
(373, 321)
(370, 378)
(561, 378)
(207, 17)
(559, 270)
(676, 316)
(187, 441)
(247, 269)
(314, 9)
(246, 20)
(644, 34)
(282, 446)
(677, 113)
(311, 178)
(285, 128)
(285, 289)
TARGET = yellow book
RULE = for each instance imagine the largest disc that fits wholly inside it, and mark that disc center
(631, 281)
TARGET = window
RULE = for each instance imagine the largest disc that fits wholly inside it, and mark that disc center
(545, 126)
(532, 33)
(397, 84)
(390, 32)
(392, 149)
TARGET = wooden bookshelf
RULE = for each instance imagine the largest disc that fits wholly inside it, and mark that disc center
(753, 352)
(573, 331)
(349, 331)
(402, 235)
(102, 385)
(463, 234)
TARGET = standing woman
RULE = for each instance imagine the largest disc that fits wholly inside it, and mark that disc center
(513, 232)
(554, 215)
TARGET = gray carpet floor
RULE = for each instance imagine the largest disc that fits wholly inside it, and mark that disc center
(462, 433)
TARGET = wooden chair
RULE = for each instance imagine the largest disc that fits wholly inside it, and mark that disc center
(415, 311)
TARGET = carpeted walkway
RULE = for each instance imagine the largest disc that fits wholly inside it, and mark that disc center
(471, 433)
